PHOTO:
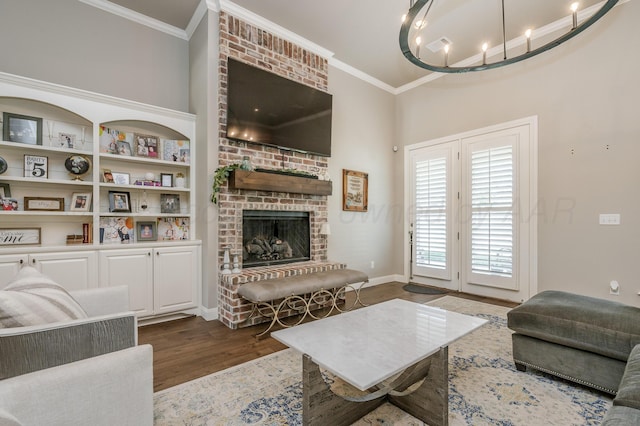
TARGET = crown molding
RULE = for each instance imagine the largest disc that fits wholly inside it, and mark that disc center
(136, 17)
(198, 14)
(361, 75)
(259, 21)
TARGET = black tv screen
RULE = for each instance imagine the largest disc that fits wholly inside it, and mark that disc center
(267, 109)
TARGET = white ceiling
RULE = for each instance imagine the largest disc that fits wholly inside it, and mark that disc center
(361, 34)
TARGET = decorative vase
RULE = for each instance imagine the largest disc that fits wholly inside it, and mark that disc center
(225, 262)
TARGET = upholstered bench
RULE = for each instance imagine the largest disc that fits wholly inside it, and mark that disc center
(579, 338)
(299, 292)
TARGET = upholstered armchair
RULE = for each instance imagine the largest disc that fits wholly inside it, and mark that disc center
(79, 371)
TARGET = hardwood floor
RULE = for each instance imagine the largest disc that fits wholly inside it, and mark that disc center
(189, 348)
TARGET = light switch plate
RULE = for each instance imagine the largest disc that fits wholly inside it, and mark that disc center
(610, 219)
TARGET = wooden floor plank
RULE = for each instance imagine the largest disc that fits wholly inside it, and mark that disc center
(188, 348)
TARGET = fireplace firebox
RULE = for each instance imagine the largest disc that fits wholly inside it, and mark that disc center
(271, 237)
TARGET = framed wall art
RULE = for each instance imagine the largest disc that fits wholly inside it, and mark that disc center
(121, 178)
(36, 166)
(80, 202)
(44, 204)
(169, 203)
(119, 201)
(19, 236)
(166, 179)
(5, 190)
(146, 231)
(355, 189)
(22, 129)
(146, 145)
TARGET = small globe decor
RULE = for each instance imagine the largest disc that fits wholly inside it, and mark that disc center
(77, 165)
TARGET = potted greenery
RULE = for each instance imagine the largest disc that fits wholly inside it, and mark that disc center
(220, 176)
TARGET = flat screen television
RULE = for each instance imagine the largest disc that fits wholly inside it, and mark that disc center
(267, 109)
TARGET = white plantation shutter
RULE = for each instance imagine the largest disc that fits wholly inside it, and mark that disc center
(431, 220)
(492, 211)
(432, 214)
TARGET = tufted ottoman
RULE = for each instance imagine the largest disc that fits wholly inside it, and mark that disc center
(579, 338)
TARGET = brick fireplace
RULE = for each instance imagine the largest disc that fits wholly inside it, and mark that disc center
(252, 45)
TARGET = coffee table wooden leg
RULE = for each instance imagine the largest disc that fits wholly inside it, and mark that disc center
(322, 407)
(430, 401)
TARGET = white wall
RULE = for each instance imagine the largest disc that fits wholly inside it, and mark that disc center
(585, 93)
(77, 45)
(362, 140)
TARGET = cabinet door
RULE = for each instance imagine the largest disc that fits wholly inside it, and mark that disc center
(175, 277)
(10, 264)
(72, 270)
(131, 267)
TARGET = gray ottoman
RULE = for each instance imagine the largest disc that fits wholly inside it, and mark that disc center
(579, 338)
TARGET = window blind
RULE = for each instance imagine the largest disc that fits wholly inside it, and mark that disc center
(431, 213)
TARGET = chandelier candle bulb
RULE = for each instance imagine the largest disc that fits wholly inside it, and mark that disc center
(574, 14)
(527, 34)
(446, 55)
(485, 46)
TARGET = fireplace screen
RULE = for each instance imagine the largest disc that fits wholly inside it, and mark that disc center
(275, 237)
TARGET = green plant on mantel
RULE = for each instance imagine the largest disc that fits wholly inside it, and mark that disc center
(220, 176)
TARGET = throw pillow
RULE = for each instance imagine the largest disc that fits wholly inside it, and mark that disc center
(32, 298)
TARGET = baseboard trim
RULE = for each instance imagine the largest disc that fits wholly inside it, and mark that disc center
(209, 314)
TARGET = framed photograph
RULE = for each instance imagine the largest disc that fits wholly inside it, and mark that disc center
(146, 231)
(9, 204)
(116, 230)
(66, 140)
(123, 148)
(5, 190)
(44, 204)
(120, 178)
(173, 228)
(146, 145)
(119, 201)
(107, 176)
(22, 129)
(169, 203)
(80, 202)
(355, 189)
(36, 166)
(166, 179)
(19, 236)
(175, 150)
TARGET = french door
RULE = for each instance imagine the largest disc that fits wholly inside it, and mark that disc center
(469, 224)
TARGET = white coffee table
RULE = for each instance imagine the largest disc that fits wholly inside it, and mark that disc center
(367, 346)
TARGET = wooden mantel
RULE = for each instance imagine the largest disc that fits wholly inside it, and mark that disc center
(261, 181)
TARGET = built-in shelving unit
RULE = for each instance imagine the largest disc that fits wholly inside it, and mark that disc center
(149, 222)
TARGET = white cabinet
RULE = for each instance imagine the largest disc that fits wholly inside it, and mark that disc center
(161, 280)
(134, 268)
(74, 270)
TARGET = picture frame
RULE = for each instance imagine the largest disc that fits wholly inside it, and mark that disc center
(50, 204)
(166, 179)
(173, 228)
(169, 203)
(107, 176)
(146, 145)
(124, 148)
(121, 178)
(116, 230)
(36, 166)
(146, 231)
(66, 140)
(9, 204)
(119, 201)
(5, 190)
(22, 128)
(80, 202)
(19, 236)
(355, 190)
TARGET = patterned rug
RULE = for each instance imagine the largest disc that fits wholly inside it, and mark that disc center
(484, 388)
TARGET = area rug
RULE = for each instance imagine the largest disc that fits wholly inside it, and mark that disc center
(484, 388)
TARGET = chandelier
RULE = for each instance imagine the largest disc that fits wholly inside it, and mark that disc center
(488, 36)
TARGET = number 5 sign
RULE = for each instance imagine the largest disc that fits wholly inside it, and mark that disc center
(35, 166)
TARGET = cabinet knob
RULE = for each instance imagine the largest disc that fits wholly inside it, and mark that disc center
(149, 253)
(21, 261)
(33, 261)
(157, 253)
